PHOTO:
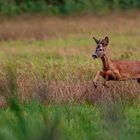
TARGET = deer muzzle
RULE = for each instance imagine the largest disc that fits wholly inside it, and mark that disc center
(94, 56)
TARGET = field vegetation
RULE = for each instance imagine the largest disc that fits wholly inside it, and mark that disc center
(65, 7)
(46, 73)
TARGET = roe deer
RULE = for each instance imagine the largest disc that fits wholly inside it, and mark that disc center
(114, 70)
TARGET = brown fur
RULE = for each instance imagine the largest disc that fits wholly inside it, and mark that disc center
(117, 70)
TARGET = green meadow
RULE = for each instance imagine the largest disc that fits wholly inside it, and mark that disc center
(46, 73)
(33, 121)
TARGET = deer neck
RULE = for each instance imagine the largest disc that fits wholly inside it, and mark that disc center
(106, 62)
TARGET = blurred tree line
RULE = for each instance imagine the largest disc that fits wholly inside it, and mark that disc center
(47, 7)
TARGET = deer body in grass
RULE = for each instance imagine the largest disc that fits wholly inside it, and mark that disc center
(116, 70)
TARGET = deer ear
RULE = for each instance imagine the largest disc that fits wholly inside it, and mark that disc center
(105, 41)
(96, 40)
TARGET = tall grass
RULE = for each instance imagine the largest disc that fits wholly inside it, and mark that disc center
(31, 120)
(46, 73)
(58, 68)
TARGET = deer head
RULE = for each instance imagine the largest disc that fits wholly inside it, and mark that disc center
(101, 46)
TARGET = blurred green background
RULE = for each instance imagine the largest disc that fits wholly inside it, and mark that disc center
(57, 7)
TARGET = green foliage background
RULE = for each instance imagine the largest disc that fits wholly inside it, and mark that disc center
(47, 7)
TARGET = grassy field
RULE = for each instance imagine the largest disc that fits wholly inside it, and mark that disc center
(33, 121)
(46, 73)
